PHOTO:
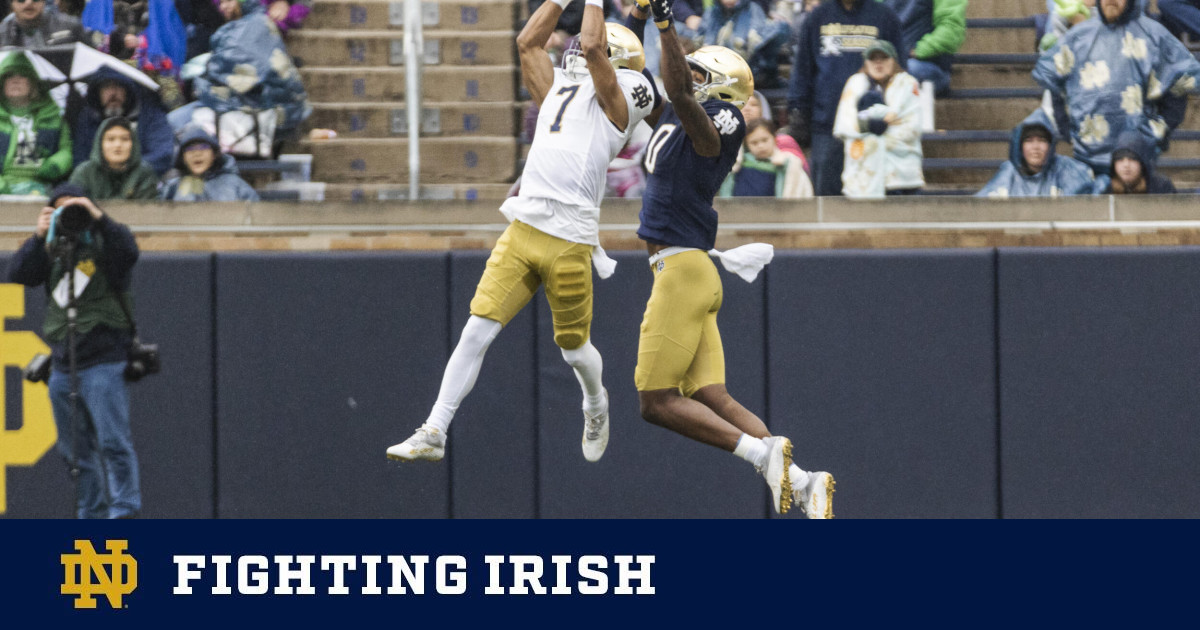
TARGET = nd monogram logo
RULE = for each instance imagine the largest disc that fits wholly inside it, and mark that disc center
(79, 568)
(26, 445)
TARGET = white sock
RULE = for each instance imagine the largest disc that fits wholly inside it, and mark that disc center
(462, 369)
(588, 366)
(752, 450)
(798, 475)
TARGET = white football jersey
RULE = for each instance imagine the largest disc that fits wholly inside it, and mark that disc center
(575, 141)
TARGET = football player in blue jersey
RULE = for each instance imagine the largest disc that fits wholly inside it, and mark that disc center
(680, 374)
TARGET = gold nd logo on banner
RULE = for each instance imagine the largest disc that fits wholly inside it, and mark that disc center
(79, 569)
(26, 445)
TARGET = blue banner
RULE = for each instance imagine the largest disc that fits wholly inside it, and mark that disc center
(590, 573)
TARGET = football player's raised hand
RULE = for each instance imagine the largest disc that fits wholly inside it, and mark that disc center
(661, 10)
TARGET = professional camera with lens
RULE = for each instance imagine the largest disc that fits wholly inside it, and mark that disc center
(72, 220)
(38, 370)
(143, 360)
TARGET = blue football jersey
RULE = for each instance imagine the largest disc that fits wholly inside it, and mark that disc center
(677, 203)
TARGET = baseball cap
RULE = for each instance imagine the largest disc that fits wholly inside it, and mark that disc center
(880, 45)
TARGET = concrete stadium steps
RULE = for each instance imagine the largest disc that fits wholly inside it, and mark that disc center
(999, 40)
(964, 76)
(990, 113)
(443, 160)
(350, 48)
(485, 84)
(388, 192)
(1004, 8)
(461, 15)
(351, 57)
(982, 113)
(389, 120)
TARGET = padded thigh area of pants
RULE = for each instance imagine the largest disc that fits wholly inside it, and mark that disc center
(569, 294)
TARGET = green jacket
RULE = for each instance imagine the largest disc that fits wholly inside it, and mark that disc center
(98, 304)
(949, 29)
(136, 181)
(46, 159)
(932, 28)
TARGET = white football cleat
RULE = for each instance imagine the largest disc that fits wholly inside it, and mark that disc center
(595, 432)
(775, 470)
(816, 496)
(428, 443)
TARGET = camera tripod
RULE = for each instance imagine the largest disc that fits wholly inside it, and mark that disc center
(65, 248)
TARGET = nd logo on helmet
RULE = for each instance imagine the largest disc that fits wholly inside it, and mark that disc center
(26, 445)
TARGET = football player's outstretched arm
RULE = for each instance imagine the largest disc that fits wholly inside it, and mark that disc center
(537, 71)
(677, 79)
(593, 39)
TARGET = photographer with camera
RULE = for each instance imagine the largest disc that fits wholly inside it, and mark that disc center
(90, 331)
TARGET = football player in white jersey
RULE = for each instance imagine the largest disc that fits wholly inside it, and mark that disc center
(587, 111)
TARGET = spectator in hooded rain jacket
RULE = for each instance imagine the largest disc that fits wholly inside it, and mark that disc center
(33, 135)
(249, 68)
(112, 94)
(206, 173)
(1114, 71)
(1033, 169)
(116, 169)
(743, 27)
(1133, 169)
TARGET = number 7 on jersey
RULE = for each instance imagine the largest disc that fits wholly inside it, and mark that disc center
(573, 89)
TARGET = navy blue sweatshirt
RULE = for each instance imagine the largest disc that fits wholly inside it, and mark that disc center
(831, 44)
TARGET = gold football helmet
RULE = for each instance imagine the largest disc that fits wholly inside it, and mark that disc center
(727, 76)
(624, 49)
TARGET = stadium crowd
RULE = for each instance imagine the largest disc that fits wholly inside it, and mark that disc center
(219, 80)
(176, 89)
(1116, 79)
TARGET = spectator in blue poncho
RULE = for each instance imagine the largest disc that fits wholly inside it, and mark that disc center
(743, 26)
(1033, 169)
(249, 68)
(1115, 71)
(206, 174)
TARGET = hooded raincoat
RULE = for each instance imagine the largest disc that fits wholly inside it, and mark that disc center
(250, 68)
(135, 181)
(219, 183)
(1114, 77)
(35, 139)
(1059, 176)
(142, 107)
(748, 31)
(1152, 183)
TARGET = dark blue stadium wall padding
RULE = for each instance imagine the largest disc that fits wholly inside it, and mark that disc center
(171, 412)
(647, 471)
(325, 360)
(493, 440)
(882, 372)
(1100, 404)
